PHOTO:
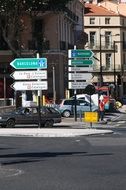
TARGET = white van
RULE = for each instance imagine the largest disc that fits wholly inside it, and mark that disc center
(86, 97)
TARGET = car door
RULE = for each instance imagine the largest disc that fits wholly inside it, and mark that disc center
(23, 117)
(43, 114)
(83, 106)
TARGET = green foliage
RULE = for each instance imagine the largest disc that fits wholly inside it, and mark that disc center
(30, 5)
(11, 12)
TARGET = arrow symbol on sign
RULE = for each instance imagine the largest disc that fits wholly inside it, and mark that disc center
(32, 85)
(26, 75)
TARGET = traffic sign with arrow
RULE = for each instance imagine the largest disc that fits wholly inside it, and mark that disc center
(80, 76)
(80, 53)
(27, 75)
(77, 62)
(80, 69)
(29, 63)
(77, 85)
(32, 85)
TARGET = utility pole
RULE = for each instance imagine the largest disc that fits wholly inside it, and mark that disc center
(101, 74)
(39, 103)
(75, 96)
(54, 86)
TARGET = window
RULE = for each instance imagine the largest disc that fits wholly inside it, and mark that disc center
(38, 26)
(82, 103)
(108, 38)
(68, 102)
(92, 20)
(108, 61)
(107, 20)
(92, 38)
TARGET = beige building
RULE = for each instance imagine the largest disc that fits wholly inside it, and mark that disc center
(106, 31)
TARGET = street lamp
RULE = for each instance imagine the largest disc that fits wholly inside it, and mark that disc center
(54, 86)
(115, 89)
(114, 70)
(101, 74)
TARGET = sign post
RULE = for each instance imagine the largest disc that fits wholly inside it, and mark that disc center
(80, 62)
(80, 67)
(75, 95)
(29, 75)
(39, 101)
(36, 74)
(29, 85)
(29, 63)
(80, 53)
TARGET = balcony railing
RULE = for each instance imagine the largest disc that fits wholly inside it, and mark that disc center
(104, 46)
(96, 68)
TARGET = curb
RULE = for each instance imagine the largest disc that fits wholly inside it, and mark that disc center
(52, 132)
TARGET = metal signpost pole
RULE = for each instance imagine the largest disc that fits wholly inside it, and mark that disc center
(5, 89)
(54, 86)
(114, 71)
(79, 63)
(39, 103)
(90, 110)
(75, 93)
(101, 76)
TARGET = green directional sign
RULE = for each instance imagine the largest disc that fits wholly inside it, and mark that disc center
(80, 53)
(29, 63)
(83, 62)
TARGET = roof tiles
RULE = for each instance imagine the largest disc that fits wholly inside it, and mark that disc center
(97, 10)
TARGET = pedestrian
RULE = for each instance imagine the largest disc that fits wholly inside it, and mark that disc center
(101, 109)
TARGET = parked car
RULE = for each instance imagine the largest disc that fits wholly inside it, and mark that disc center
(30, 115)
(86, 97)
(67, 107)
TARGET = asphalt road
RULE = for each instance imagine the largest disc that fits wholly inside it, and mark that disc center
(79, 163)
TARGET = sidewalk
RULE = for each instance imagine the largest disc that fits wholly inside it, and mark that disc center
(122, 109)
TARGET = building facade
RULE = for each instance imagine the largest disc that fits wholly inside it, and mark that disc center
(106, 31)
(50, 34)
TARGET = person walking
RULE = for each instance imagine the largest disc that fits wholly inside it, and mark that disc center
(101, 109)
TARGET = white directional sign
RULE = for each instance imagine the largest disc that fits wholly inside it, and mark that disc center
(77, 85)
(30, 85)
(27, 75)
(80, 76)
(88, 68)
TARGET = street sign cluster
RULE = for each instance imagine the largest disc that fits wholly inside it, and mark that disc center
(79, 68)
(29, 75)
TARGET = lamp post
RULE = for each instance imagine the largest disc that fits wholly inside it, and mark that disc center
(115, 89)
(4, 91)
(54, 86)
(101, 74)
(114, 70)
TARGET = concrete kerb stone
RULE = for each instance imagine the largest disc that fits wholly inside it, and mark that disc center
(49, 132)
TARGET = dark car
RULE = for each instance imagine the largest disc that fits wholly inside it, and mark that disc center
(30, 115)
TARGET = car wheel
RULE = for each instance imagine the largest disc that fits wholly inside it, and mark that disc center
(48, 123)
(66, 113)
(10, 123)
